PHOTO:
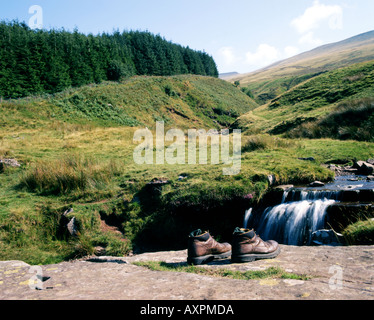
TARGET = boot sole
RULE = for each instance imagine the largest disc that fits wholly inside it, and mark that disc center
(208, 258)
(252, 257)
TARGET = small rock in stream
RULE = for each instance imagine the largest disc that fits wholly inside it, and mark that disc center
(316, 184)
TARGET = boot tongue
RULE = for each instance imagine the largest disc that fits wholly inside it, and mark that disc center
(200, 235)
(196, 233)
(250, 234)
(245, 232)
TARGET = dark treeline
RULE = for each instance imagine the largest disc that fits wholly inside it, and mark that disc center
(48, 61)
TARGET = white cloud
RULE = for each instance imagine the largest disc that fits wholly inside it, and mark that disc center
(291, 51)
(264, 55)
(316, 14)
(232, 59)
(310, 39)
(228, 55)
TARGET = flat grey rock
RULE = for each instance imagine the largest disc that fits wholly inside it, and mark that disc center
(338, 273)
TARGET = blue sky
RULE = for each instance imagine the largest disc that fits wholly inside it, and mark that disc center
(241, 35)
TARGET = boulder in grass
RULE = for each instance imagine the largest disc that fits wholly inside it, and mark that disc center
(8, 163)
(272, 179)
(72, 227)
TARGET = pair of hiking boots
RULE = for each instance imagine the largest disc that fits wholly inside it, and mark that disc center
(246, 247)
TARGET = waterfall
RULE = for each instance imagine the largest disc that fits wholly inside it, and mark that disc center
(247, 216)
(300, 214)
(311, 195)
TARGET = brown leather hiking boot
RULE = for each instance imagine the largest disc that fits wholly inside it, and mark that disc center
(248, 247)
(202, 248)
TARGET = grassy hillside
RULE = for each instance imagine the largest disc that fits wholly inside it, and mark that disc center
(313, 100)
(76, 151)
(140, 101)
(91, 170)
(267, 83)
(350, 120)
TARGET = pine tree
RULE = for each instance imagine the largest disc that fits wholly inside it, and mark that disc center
(33, 62)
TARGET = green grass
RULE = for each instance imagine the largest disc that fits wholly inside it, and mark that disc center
(265, 91)
(330, 87)
(351, 120)
(181, 101)
(141, 101)
(69, 174)
(77, 153)
(30, 216)
(311, 101)
(360, 232)
(270, 273)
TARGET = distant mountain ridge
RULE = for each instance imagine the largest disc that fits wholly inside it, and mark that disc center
(331, 56)
(357, 41)
(227, 75)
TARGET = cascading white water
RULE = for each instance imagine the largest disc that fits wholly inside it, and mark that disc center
(300, 214)
(311, 195)
(247, 216)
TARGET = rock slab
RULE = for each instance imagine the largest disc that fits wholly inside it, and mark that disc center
(338, 273)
